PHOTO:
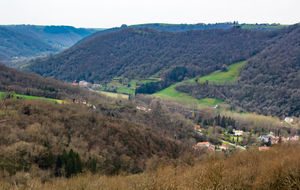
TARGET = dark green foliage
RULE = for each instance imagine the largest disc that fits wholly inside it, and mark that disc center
(176, 75)
(224, 122)
(141, 53)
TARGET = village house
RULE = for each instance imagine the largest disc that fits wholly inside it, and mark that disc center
(289, 120)
(197, 128)
(265, 137)
(84, 102)
(293, 138)
(203, 144)
(211, 148)
(262, 148)
(224, 147)
(238, 132)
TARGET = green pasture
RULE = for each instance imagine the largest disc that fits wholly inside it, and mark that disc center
(20, 96)
(219, 76)
(114, 95)
(173, 95)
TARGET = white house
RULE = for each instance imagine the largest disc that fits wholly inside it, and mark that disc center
(289, 120)
(238, 132)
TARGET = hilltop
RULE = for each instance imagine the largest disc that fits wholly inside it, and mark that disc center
(185, 27)
(61, 37)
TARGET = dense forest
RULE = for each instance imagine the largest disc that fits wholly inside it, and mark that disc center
(60, 37)
(269, 82)
(176, 75)
(14, 44)
(142, 53)
(186, 27)
(66, 139)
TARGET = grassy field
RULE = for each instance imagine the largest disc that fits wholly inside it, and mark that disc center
(260, 27)
(173, 95)
(133, 84)
(35, 98)
(219, 76)
(114, 95)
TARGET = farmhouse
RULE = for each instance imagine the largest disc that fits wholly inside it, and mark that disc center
(224, 147)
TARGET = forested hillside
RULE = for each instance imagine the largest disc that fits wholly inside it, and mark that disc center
(269, 82)
(142, 53)
(38, 135)
(186, 27)
(33, 84)
(15, 45)
(61, 37)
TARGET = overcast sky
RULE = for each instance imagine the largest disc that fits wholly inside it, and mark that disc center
(111, 13)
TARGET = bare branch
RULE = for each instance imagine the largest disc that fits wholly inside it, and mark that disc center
(5, 120)
(16, 186)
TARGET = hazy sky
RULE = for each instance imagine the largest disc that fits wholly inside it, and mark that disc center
(110, 13)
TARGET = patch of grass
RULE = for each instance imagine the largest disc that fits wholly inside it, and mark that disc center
(173, 95)
(235, 138)
(114, 95)
(20, 96)
(219, 76)
(261, 27)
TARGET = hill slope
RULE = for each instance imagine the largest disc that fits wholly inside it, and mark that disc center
(33, 84)
(14, 44)
(61, 37)
(269, 82)
(142, 53)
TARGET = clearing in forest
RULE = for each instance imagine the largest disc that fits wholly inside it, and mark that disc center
(20, 96)
(170, 94)
(220, 76)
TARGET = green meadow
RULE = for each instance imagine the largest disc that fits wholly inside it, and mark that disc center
(114, 95)
(219, 76)
(20, 96)
(173, 95)
(170, 94)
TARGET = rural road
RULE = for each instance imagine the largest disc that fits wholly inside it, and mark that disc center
(234, 145)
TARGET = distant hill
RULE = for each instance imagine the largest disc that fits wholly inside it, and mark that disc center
(186, 27)
(269, 82)
(14, 45)
(144, 52)
(61, 37)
